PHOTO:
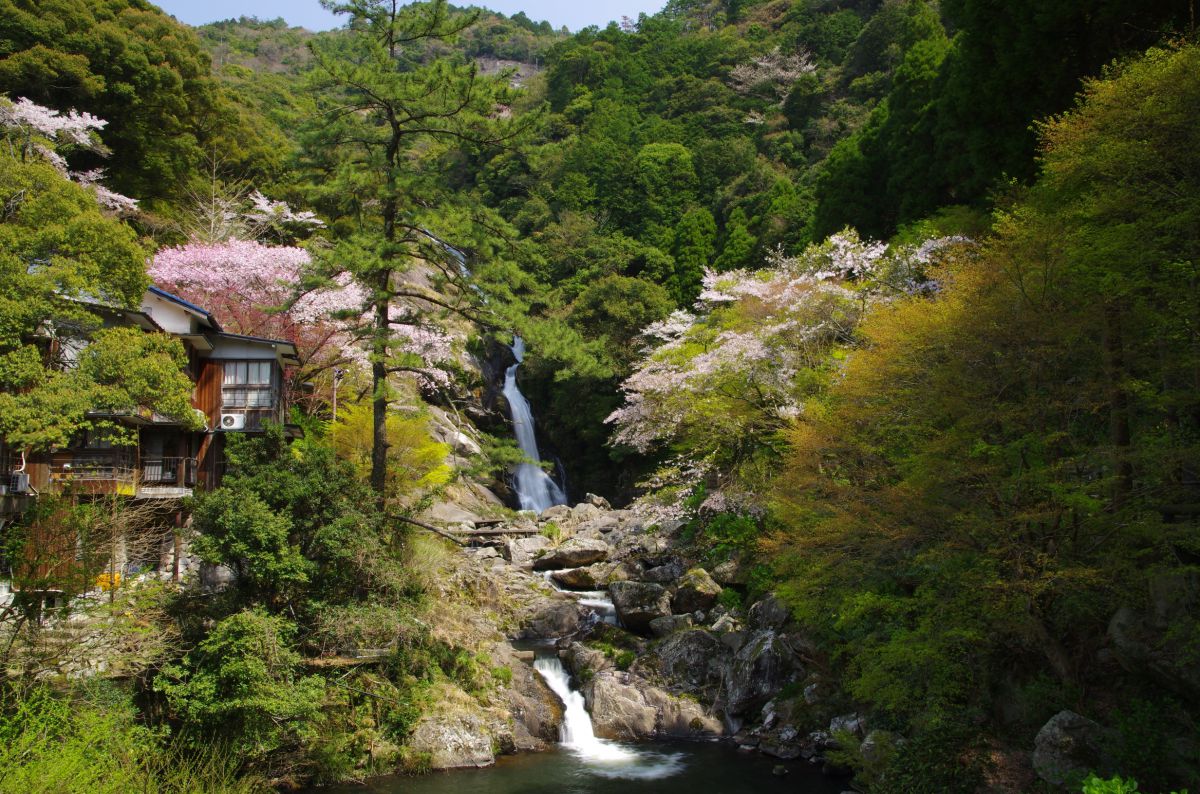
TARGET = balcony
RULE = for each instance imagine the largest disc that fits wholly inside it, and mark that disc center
(95, 471)
(166, 478)
(120, 472)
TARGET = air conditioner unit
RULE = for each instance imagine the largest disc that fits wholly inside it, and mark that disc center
(19, 482)
(233, 421)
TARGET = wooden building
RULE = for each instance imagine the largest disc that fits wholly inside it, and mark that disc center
(238, 385)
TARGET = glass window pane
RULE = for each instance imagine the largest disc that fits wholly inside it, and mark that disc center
(230, 372)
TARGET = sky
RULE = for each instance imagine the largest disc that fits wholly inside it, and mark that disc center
(575, 14)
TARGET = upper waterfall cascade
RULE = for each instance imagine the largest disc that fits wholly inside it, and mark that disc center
(536, 490)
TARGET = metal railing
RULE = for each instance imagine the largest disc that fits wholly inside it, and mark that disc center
(168, 471)
(94, 464)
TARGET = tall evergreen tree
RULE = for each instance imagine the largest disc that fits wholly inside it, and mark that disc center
(394, 113)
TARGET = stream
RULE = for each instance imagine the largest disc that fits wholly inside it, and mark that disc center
(583, 763)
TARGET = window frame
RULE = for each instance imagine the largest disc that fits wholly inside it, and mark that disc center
(245, 390)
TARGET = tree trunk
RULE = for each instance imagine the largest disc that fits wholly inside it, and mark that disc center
(379, 387)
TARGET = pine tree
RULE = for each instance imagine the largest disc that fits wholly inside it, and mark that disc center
(393, 113)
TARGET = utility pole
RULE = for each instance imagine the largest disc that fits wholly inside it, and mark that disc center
(338, 374)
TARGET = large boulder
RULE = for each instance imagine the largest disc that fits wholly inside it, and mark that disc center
(1067, 747)
(761, 667)
(575, 553)
(555, 513)
(522, 551)
(551, 618)
(625, 706)
(696, 591)
(664, 574)
(638, 603)
(768, 613)
(692, 660)
(665, 626)
(453, 741)
(587, 578)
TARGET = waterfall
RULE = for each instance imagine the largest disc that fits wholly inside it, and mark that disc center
(604, 758)
(536, 490)
(576, 733)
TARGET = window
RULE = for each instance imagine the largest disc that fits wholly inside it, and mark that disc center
(248, 384)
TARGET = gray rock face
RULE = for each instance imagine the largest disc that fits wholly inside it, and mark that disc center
(453, 741)
(580, 660)
(1068, 746)
(624, 706)
(696, 591)
(638, 603)
(761, 667)
(662, 627)
(521, 551)
(588, 578)
(729, 572)
(769, 613)
(664, 574)
(554, 617)
(555, 513)
(575, 553)
(597, 501)
(535, 711)
(692, 660)
(585, 512)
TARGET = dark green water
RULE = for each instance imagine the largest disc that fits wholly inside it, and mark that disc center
(662, 768)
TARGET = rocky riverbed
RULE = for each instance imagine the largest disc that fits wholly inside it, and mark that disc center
(681, 662)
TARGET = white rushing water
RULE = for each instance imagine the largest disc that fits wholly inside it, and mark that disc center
(603, 757)
(536, 490)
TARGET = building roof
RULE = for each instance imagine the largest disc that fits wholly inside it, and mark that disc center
(205, 313)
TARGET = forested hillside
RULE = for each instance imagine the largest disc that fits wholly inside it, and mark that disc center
(888, 310)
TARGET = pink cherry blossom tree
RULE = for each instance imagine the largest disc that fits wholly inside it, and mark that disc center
(40, 131)
(717, 385)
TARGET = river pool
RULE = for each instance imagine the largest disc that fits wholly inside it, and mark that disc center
(658, 767)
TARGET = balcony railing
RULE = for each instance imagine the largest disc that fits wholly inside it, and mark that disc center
(169, 471)
(83, 465)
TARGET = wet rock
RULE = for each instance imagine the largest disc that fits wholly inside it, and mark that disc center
(1067, 747)
(453, 741)
(692, 659)
(664, 626)
(761, 667)
(768, 613)
(696, 591)
(575, 553)
(729, 631)
(638, 603)
(535, 711)
(777, 748)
